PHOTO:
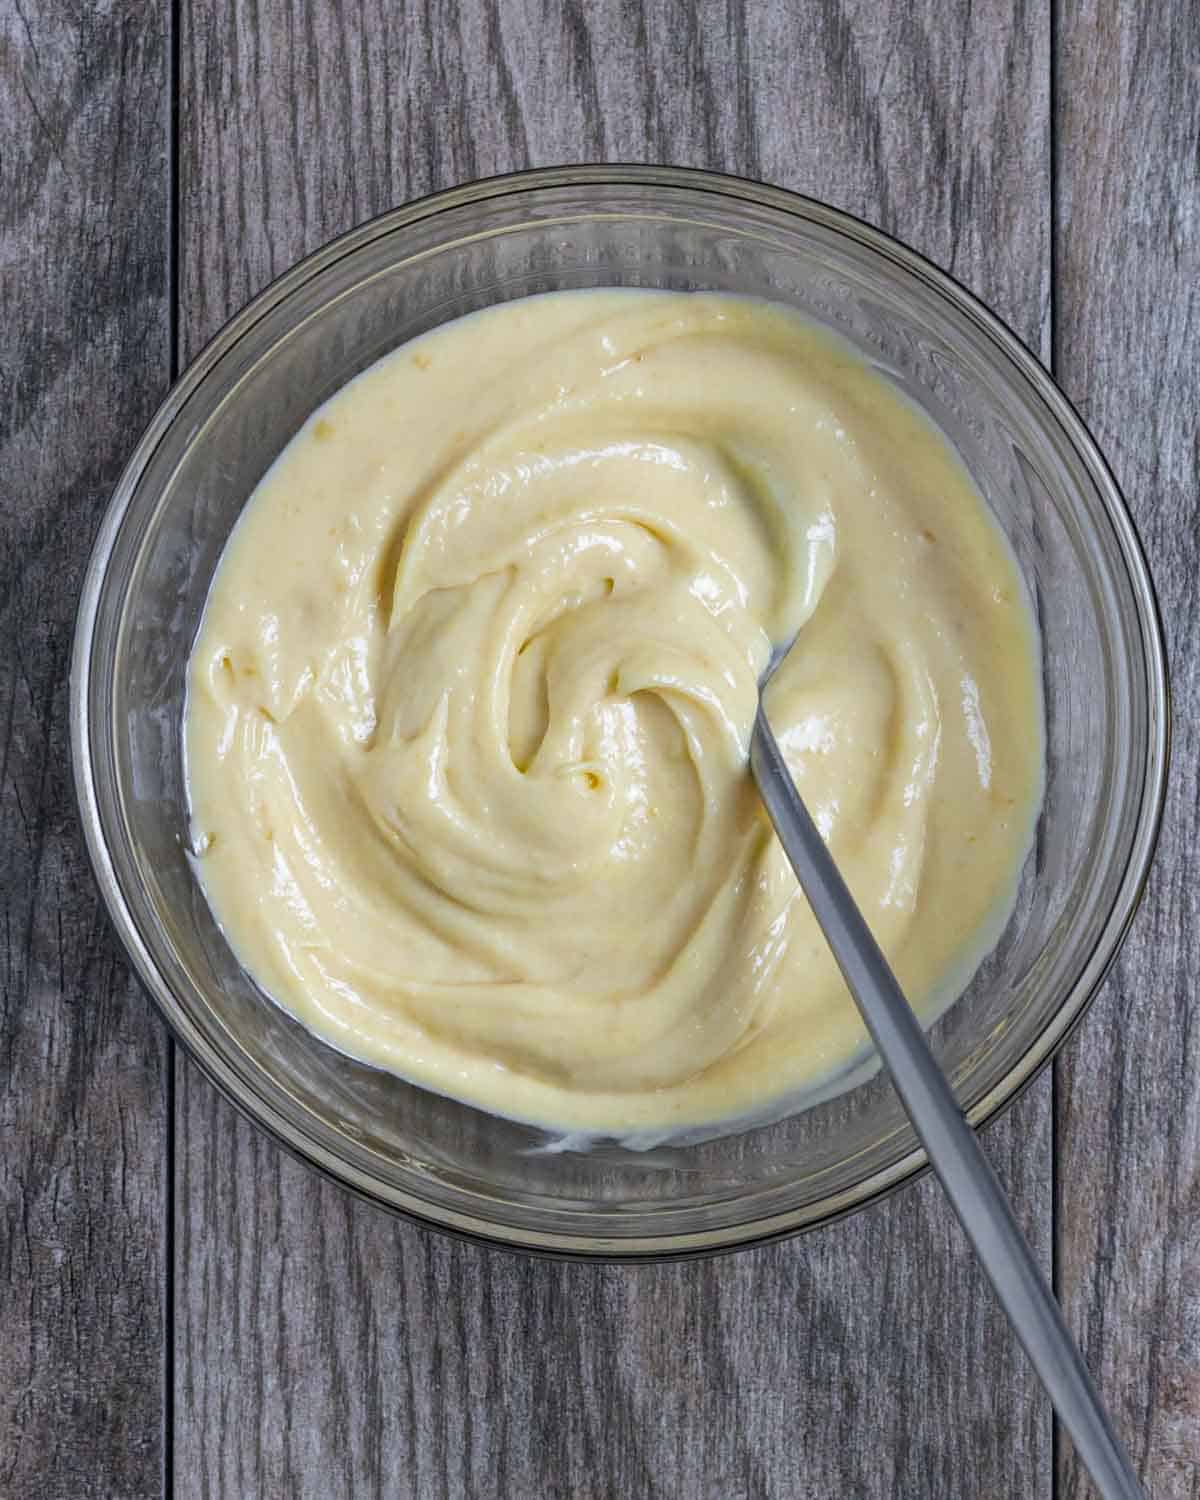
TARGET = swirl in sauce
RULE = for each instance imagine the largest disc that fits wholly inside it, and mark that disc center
(469, 708)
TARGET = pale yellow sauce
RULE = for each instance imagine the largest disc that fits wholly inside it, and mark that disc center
(469, 709)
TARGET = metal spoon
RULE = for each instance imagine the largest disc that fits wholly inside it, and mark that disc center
(954, 1153)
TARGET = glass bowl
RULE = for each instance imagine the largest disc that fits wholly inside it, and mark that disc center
(350, 303)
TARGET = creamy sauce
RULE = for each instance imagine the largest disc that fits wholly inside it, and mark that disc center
(469, 710)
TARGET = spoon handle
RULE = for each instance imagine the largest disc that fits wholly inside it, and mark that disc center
(950, 1143)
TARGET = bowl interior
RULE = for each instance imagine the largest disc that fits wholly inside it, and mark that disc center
(353, 303)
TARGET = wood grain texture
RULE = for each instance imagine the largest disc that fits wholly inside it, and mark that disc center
(1128, 332)
(83, 360)
(324, 1350)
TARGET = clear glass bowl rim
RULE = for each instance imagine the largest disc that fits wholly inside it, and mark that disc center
(261, 1110)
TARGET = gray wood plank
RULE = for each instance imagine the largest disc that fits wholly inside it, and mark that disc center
(1127, 335)
(325, 1350)
(83, 360)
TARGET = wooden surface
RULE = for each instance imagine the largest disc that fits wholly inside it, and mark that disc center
(1127, 345)
(192, 1313)
(83, 1061)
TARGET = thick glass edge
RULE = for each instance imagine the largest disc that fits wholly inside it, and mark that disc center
(1149, 640)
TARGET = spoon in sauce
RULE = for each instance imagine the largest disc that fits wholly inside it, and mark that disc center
(954, 1152)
